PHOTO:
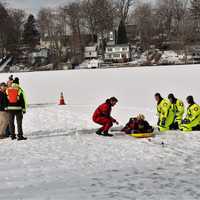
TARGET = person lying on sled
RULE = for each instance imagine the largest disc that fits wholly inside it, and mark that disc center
(137, 125)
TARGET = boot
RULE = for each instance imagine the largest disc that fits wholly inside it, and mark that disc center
(105, 133)
(13, 137)
(99, 132)
(21, 138)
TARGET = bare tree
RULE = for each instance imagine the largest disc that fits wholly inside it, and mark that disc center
(123, 7)
(195, 13)
(164, 16)
(180, 8)
(8, 39)
(145, 24)
(18, 18)
(53, 29)
(98, 16)
(72, 16)
(88, 14)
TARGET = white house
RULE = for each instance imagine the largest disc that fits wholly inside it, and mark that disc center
(39, 56)
(118, 53)
(91, 52)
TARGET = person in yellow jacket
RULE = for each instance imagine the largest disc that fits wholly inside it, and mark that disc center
(178, 109)
(165, 113)
(192, 119)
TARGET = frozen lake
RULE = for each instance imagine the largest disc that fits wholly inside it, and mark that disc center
(58, 161)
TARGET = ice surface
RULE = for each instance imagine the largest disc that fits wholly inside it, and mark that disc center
(60, 162)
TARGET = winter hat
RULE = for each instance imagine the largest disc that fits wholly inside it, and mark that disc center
(171, 96)
(113, 99)
(157, 95)
(10, 77)
(3, 84)
(190, 99)
(16, 80)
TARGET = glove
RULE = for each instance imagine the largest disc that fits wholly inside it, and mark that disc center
(116, 122)
(23, 111)
(163, 122)
(185, 121)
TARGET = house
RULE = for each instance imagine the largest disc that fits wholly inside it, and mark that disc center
(194, 52)
(90, 52)
(118, 53)
(39, 56)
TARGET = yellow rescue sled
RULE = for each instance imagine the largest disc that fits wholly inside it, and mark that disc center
(142, 135)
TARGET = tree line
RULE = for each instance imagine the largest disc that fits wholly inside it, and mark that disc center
(165, 24)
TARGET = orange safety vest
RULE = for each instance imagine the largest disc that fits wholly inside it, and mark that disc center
(13, 94)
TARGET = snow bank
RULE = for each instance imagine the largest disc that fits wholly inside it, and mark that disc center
(93, 63)
(170, 57)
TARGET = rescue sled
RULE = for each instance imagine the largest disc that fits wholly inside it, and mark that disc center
(142, 135)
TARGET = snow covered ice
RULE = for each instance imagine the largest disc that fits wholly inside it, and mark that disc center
(60, 161)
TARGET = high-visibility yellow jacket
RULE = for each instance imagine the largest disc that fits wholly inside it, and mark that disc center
(192, 118)
(178, 109)
(193, 112)
(163, 108)
(166, 114)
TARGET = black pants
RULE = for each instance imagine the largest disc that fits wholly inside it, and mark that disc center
(19, 118)
(8, 134)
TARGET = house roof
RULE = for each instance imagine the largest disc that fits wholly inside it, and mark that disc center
(118, 45)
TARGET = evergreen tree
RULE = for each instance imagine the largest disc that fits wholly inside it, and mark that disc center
(122, 35)
(31, 35)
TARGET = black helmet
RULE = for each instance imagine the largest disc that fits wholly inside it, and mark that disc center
(10, 77)
(171, 96)
(113, 99)
(16, 80)
(157, 95)
(190, 99)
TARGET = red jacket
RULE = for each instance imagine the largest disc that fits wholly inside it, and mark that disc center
(104, 110)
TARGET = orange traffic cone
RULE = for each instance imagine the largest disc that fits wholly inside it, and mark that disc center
(62, 101)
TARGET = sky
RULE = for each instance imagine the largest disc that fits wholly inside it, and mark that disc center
(33, 6)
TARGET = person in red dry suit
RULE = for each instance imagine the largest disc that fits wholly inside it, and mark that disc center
(102, 116)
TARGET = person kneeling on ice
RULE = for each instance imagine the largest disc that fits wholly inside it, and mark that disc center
(137, 125)
(165, 113)
(178, 109)
(102, 116)
(192, 119)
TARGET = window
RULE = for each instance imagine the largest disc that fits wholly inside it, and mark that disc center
(117, 48)
(109, 49)
(124, 49)
(116, 55)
